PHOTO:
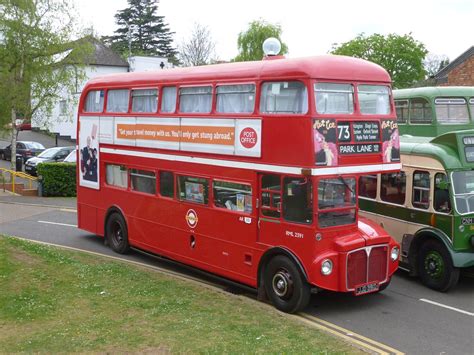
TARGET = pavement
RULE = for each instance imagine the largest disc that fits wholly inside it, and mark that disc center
(54, 202)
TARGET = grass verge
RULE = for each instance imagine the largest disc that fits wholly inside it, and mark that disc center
(53, 300)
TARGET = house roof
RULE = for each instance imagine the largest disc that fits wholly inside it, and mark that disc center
(459, 60)
(101, 54)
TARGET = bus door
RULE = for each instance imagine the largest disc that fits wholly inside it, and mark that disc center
(286, 212)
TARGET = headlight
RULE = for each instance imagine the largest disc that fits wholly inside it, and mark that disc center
(395, 253)
(461, 228)
(326, 267)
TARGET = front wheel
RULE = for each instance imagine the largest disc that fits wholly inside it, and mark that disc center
(436, 268)
(117, 234)
(285, 285)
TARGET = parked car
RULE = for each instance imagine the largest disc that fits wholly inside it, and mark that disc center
(72, 157)
(51, 155)
(25, 149)
(23, 125)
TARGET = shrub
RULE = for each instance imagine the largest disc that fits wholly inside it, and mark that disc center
(59, 179)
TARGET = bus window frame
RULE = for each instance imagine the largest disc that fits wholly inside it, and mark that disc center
(200, 85)
(174, 197)
(158, 96)
(379, 187)
(106, 101)
(83, 105)
(434, 119)
(447, 103)
(132, 190)
(357, 85)
(116, 187)
(450, 192)
(259, 90)
(407, 118)
(317, 211)
(226, 83)
(161, 88)
(198, 176)
(241, 182)
(413, 187)
(354, 98)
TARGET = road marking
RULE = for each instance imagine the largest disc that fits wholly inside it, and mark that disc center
(358, 339)
(68, 210)
(59, 224)
(447, 307)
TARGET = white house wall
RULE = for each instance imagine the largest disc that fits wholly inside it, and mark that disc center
(65, 125)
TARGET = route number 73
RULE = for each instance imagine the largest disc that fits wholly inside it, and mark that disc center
(343, 132)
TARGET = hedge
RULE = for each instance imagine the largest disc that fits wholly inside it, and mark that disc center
(59, 179)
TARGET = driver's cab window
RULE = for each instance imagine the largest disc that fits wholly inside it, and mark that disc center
(297, 200)
(442, 200)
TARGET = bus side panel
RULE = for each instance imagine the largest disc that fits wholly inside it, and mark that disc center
(87, 217)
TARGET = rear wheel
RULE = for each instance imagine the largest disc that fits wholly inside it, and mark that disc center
(435, 266)
(117, 234)
(285, 285)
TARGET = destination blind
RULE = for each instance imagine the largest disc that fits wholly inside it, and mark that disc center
(359, 137)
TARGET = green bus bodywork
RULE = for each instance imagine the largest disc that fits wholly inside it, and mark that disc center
(455, 230)
(418, 115)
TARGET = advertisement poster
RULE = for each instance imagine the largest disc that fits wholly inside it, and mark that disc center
(391, 141)
(89, 152)
(194, 192)
(325, 147)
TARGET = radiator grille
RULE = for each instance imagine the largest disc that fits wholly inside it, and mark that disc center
(366, 265)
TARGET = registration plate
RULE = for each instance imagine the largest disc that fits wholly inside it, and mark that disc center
(367, 288)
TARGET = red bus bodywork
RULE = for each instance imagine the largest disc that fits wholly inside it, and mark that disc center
(225, 242)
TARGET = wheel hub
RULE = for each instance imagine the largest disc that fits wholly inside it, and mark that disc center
(434, 264)
(282, 284)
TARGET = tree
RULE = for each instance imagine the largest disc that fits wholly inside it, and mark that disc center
(199, 49)
(250, 42)
(433, 63)
(142, 32)
(401, 56)
(33, 69)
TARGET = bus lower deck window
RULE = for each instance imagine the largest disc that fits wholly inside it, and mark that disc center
(143, 181)
(233, 196)
(116, 175)
(193, 189)
(166, 184)
(393, 187)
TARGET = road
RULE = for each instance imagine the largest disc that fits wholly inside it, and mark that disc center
(407, 316)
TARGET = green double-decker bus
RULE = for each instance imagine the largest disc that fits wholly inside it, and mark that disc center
(432, 111)
(428, 207)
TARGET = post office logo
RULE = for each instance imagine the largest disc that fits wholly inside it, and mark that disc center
(191, 218)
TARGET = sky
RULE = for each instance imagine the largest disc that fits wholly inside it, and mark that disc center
(309, 27)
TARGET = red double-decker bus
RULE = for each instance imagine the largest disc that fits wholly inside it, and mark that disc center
(246, 170)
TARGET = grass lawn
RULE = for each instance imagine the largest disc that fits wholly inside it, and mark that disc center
(53, 300)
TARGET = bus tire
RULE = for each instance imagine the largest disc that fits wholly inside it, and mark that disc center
(117, 234)
(435, 267)
(285, 285)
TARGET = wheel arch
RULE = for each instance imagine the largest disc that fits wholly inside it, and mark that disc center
(269, 254)
(420, 237)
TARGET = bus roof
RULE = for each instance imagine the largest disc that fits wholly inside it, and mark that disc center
(433, 91)
(447, 148)
(327, 67)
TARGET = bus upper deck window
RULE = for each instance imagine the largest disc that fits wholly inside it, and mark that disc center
(94, 101)
(334, 98)
(401, 108)
(145, 100)
(195, 99)
(289, 97)
(451, 110)
(374, 99)
(420, 111)
(168, 99)
(471, 105)
(117, 100)
(236, 98)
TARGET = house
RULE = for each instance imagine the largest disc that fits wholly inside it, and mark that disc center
(102, 61)
(460, 72)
